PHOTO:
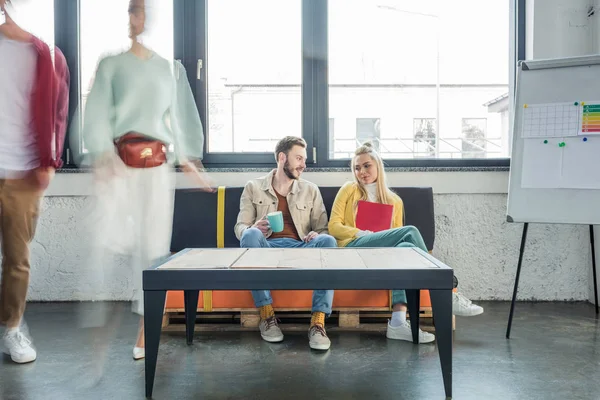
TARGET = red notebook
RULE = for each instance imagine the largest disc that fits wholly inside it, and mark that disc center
(374, 217)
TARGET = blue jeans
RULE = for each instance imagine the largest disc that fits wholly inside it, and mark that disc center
(407, 236)
(253, 237)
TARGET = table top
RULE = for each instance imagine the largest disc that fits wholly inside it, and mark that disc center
(400, 258)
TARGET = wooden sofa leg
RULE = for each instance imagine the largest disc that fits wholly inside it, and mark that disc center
(165, 320)
(349, 319)
(249, 319)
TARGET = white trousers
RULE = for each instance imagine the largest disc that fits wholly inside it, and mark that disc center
(132, 216)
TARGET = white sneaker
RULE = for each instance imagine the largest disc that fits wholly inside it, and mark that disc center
(18, 346)
(463, 307)
(270, 331)
(404, 332)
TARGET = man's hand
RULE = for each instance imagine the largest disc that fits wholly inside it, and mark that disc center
(311, 235)
(201, 179)
(42, 177)
(262, 225)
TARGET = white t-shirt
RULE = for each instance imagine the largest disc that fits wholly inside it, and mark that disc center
(18, 149)
(372, 191)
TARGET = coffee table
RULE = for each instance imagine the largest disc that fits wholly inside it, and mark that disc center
(192, 270)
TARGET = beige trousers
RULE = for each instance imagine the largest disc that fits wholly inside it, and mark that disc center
(19, 211)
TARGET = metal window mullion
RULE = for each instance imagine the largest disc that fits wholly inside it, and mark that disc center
(66, 38)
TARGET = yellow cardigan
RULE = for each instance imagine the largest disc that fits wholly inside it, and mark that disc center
(342, 225)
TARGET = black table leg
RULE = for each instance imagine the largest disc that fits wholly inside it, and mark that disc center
(594, 266)
(191, 305)
(413, 298)
(154, 304)
(516, 288)
(441, 304)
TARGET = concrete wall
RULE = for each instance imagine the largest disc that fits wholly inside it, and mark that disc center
(472, 236)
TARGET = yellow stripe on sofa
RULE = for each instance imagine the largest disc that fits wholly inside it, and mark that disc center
(207, 304)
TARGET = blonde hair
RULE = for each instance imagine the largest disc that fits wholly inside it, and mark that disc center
(384, 194)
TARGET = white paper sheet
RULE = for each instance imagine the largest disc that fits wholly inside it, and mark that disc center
(542, 164)
(581, 163)
(551, 120)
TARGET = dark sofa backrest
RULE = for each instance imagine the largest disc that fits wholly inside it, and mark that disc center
(195, 217)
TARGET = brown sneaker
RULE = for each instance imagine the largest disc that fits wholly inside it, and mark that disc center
(317, 338)
(269, 330)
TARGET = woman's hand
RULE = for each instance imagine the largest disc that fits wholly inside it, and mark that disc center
(363, 233)
(201, 179)
(108, 166)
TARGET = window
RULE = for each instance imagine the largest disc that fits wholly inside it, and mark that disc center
(474, 140)
(398, 73)
(402, 59)
(254, 70)
(367, 130)
(424, 137)
(33, 17)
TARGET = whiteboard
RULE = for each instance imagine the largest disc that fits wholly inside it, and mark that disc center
(555, 161)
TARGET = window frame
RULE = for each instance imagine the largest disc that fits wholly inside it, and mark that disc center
(66, 38)
(190, 45)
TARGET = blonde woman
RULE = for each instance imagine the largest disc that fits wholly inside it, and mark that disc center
(370, 185)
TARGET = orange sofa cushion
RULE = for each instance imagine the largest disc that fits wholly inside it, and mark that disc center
(222, 299)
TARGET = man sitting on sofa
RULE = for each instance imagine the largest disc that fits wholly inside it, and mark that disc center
(304, 225)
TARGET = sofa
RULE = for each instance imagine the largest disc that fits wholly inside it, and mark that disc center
(206, 220)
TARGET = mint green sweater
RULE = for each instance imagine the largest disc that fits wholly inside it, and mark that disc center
(144, 96)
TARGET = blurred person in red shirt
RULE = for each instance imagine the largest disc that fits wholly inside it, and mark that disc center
(34, 89)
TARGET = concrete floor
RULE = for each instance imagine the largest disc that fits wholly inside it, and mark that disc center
(553, 353)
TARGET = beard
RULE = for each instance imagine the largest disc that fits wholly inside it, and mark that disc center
(289, 172)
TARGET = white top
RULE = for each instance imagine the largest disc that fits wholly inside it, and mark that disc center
(18, 150)
(371, 189)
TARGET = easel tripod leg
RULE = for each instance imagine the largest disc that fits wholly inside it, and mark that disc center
(594, 266)
(514, 297)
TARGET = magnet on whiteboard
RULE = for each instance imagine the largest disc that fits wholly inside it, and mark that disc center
(524, 105)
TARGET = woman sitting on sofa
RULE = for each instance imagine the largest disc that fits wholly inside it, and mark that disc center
(370, 185)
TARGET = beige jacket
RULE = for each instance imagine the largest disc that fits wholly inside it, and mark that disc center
(304, 201)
